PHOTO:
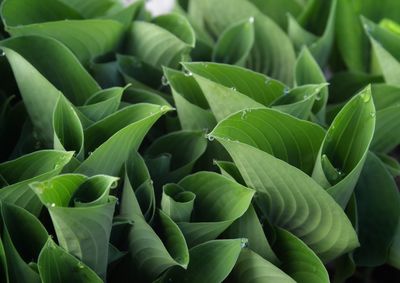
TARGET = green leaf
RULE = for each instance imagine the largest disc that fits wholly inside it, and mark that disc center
(385, 47)
(19, 173)
(177, 203)
(83, 227)
(56, 265)
(345, 147)
(248, 226)
(235, 43)
(180, 159)
(227, 88)
(307, 71)
(149, 254)
(250, 267)
(391, 164)
(210, 218)
(19, 253)
(211, 261)
(377, 223)
(67, 27)
(154, 45)
(102, 103)
(320, 47)
(298, 260)
(272, 54)
(42, 82)
(292, 200)
(128, 127)
(394, 254)
(192, 107)
(299, 101)
(292, 140)
(386, 138)
(92, 8)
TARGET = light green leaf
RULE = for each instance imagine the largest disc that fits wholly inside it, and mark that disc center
(56, 265)
(209, 262)
(287, 138)
(19, 173)
(235, 43)
(344, 149)
(292, 200)
(126, 127)
(298, 260)
(210, 218)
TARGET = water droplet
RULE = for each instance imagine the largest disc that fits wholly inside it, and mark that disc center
(53, 205)
(80, 265)
(244, 243)
(210, 137)
(164, 81)
(164, 108)
(365, 96)
(251, 20)
(318, 97)
(244, 115)
(114, 184)
(2, 53)
(151, 182)
(233, 88)
(372, 114)
(187, 73)
(286, 91)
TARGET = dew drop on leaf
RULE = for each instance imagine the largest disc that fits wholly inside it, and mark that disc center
(164, 81)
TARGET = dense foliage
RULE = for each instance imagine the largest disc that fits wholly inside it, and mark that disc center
(231, 140)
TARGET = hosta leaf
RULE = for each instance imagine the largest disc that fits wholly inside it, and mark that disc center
(92, 8)
(385, 95)
(17, 12)
(138, 73)
(250, 267)
(134, 95)
(83, 227)
(385, 46)
(229, 169)
(377, 223)
(178, 25)
(104, 35)
(210, 218)
(344, 149)
(68, 131)
(155, 45)
(19, 253)
(307, 71)
(177, 203)
(56, 265)
(386, 138)
(102, 103)
(151, 255)
(391, 164)
(192, 107)
(320, 47)
(19, 173)
(126, 127)
(138, 192)
(298, 260)
(278, 10)
(235, 43)
(220, 82)
(290, 139)
(272, 53)
(181, 159)
(299, 101)
(211, 261)
(294, 201)
(248, 226)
